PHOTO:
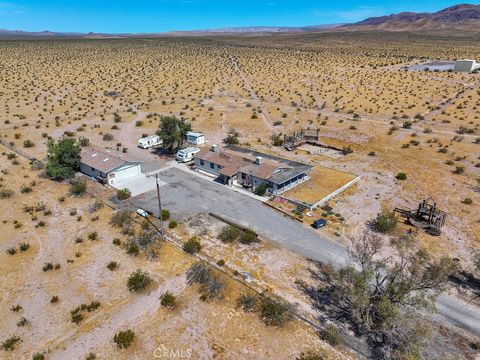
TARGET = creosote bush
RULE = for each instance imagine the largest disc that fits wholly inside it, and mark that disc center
(168, 299)
(192, 246)
(385, 222)
(138, 281)
(123, 339)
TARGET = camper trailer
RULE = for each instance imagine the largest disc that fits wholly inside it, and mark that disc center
(149, 142)
(186, 155)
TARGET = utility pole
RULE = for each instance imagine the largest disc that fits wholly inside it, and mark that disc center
(160, 215)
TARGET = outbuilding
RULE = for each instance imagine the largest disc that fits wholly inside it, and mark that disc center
(465, 65)
(107, 167)
(150, 141)
(195, 138)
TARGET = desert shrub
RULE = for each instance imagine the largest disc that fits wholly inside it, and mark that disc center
(331, 335)
(211, 285)
(24, 246)
(83, 141)
(22, 322)
(112, 265)
(232, 137)
(346, 150)
(6, 193)
(97, 205)
(313, 355)
(277, 139)
(47, 267)
(54, 299)
(221, 262)
(467, 201)
(132, 248)
(28, 144)
(107, 137)
(10, 343)
(274, 312)
(11, 251)
(192, 246)
(138, 281)
(401, 176)
(93, 236)
(123, 194)
(91, 356)
(16, 308)
(146, 238)
(25, 189)
(78, 188)
(165, 214)
(120, 218)
(172, 224)
(229, 234)
(38, 356)
(123, 339)
(63, 158)
(261, 190)
(116, 241)
(385, 221)
(247, 302)
(248, 237)
(77, 317)
(168, 299)
(459, 170)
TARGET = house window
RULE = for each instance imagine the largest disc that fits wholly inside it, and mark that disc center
(202, 162)
(93, 169)
(212, 166)
(243, 176)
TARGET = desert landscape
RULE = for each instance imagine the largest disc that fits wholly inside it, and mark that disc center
(69, 254)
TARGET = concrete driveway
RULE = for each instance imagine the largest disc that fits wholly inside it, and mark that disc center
(186, 195)
(138, 184)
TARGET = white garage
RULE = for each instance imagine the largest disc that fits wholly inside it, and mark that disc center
(107, 167)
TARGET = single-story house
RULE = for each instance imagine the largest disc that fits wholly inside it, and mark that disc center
(195, 138)
(244, 167)
(106, 166)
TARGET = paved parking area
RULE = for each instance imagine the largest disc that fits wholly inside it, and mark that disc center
(138, 184)
(186, 195)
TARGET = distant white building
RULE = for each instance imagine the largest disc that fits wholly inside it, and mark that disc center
(465, 65)
(195, 138)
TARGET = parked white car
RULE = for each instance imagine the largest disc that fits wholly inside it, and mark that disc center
(149, 142)
(186, 155)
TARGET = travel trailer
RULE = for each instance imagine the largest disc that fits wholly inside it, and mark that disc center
(150, 141)
(186, 155)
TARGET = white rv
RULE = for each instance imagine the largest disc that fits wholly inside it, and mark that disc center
(150, 141)
(186, 155)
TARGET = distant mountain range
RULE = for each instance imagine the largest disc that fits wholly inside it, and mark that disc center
(458, 17)
(454, 19)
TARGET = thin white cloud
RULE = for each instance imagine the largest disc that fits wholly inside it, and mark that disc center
(11, 8)
(353, 15)
(360, 13)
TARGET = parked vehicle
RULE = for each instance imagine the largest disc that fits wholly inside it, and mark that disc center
(317, 224)
(149, 142)
(186, 155)
(195, 138)
(142, 213)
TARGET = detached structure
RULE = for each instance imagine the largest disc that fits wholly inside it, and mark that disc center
(466, 65)
(107, 167)
(243, 167)
(195, 138)
(426, 216)
(298, 138)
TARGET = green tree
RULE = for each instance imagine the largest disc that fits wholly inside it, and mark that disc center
(232, 137)
(173, 132)
(63, 158)
(138, 281)
(385, 221)
(379, 297)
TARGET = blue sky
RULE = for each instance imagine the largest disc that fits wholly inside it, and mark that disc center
(119, 16)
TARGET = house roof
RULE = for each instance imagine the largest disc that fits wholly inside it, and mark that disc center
(103, 160)
(234, 159)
